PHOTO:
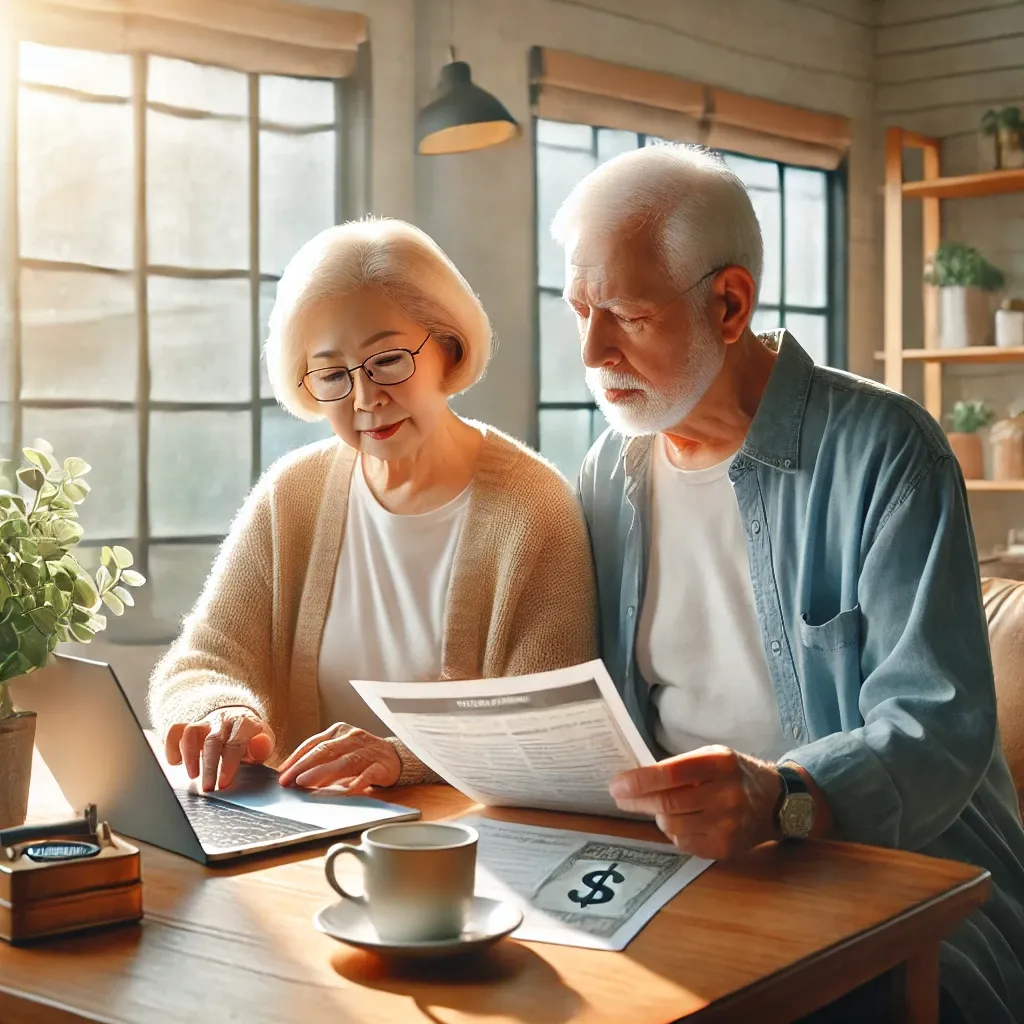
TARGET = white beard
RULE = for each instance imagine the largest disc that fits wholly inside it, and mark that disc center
(650, 411)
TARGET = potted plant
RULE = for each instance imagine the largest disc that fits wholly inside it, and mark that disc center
(967, 419)
(1010, 142)
(1005, 128)
(965, 280)
(46, 597)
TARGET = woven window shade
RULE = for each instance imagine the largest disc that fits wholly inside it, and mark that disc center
(269, 36)
(582, 90)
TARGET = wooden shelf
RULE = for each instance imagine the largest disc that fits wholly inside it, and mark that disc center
(991, 183)
(996, 486)
(979, 354)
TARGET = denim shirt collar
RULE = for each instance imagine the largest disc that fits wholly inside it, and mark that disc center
(774, 435)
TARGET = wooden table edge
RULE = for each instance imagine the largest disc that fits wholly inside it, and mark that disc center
(829, 985)
(39, 1009)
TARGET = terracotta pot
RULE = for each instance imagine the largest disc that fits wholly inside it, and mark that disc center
(1007, 439)
(17, 738)
(967, 449)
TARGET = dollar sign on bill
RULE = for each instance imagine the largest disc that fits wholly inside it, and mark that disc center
(599, 892)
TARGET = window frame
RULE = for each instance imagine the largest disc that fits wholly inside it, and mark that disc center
(140, 404)
(834, 309)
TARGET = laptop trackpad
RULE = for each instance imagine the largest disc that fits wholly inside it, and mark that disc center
(256, 788)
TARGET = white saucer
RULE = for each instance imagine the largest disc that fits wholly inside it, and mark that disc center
(492, 920)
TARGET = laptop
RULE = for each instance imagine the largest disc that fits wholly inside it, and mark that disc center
(97, 750)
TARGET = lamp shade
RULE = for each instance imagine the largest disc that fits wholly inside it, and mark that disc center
(462, 117)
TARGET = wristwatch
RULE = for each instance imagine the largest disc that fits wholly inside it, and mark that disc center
(794, 813)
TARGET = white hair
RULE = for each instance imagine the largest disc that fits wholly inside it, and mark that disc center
(412, 272)
(700, 210)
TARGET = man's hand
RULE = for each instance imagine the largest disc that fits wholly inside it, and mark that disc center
(342, 754)
(220, 742)
(711, 802)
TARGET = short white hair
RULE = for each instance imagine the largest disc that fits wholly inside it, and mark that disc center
(700, 211)
(412, 272)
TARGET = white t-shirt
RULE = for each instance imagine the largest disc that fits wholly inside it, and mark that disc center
(386, 617)
(699, 643)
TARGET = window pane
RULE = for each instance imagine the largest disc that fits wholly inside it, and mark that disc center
(765, 320)
(754, 173)
(557, 172)
(282, 432)
(198, 471)
(561, 370)
(268, 292)
(298, 101)
(78, 336)
(768, 207)
(74, 180)
(297, 193)
(197, 192)
(806, 253)
(611, 142)
(175, 579)
(565, 438)
(103, 74)
(571, 136)
(200, 340)
(812, 333)
(180, 83)
(108, 441)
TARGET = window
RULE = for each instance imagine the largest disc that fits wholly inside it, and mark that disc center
(158, 201)
(796, 208)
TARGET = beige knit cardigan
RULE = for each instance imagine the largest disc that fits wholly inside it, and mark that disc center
(521, 598)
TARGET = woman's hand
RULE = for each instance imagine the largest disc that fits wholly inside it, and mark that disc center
(220, 742)
(342, 754)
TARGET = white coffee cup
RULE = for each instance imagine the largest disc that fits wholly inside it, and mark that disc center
(418, 879)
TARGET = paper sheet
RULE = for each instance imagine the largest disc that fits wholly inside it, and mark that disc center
(553, 740)
(578, 888)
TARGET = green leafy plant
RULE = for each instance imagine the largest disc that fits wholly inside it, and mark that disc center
(46, 596)
(957, 265)
(968, 417)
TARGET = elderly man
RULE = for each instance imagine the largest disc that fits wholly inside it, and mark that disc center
(788, 580)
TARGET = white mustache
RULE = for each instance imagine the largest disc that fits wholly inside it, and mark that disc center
(609, 380)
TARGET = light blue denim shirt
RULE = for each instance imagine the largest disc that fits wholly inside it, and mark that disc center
(865, 580)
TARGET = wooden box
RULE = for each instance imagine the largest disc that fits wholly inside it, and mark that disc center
(40, 899)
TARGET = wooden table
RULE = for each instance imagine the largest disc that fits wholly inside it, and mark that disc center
(770, 936)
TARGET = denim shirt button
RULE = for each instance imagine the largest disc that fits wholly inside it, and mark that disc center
(629, 611)
(755, 526)
(796, 732)
(776, 647)
(787, 463)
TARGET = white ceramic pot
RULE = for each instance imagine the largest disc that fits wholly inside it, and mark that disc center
(17, 738)
(965, 317)
(1010, 328)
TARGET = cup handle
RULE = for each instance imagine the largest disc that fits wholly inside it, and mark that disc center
(332, 855)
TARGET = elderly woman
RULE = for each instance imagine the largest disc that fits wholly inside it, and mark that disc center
(413, 546)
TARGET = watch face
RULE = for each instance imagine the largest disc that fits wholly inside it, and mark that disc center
(796, 819)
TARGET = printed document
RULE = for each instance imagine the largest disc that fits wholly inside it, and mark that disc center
(553, 740)
(576, 888)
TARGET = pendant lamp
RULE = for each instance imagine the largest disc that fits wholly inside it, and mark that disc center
(462, 116)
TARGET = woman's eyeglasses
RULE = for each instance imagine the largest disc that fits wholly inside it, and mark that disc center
(333, 383)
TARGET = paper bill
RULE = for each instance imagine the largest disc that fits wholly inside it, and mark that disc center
(552, 740)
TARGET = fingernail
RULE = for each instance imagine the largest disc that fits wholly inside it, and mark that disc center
(618, 787)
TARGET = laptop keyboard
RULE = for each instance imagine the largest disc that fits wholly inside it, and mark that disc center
(223, 826)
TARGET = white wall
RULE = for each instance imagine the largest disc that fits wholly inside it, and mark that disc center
(940, 64)
(480, 206)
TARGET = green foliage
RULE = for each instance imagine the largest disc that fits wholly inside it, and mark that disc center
(1008, 119)
(46, 597)
(967, 417)
(955, 264)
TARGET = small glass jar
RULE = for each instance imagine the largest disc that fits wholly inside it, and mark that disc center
(1007, 440)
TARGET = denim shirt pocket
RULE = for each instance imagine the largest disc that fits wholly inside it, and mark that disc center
(838, 633)
(829, 659)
